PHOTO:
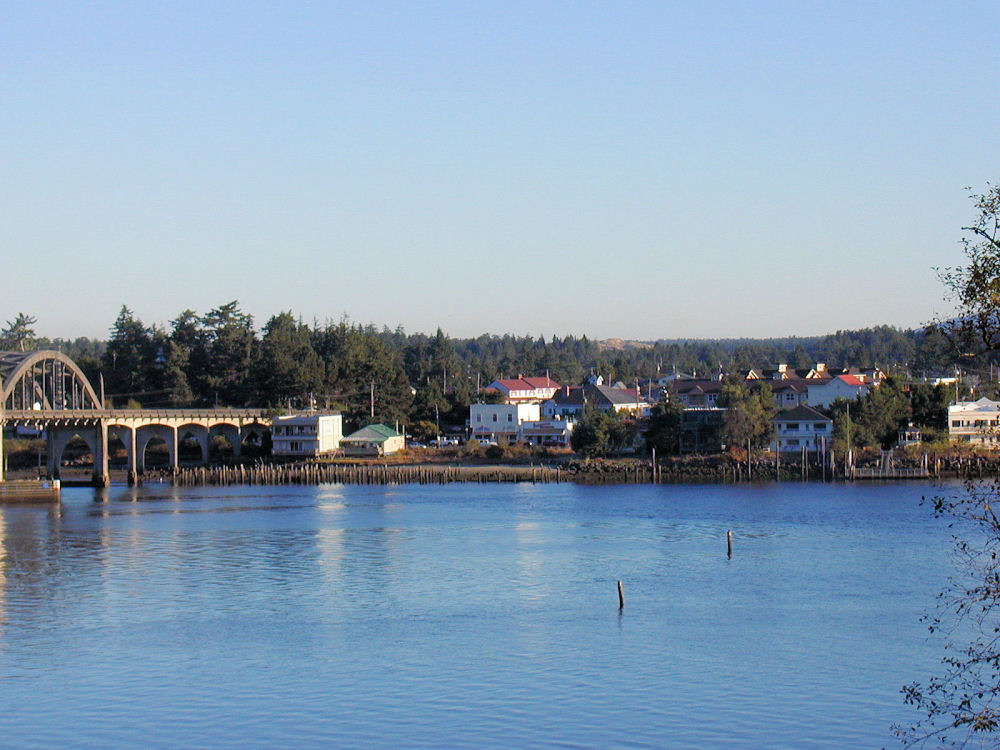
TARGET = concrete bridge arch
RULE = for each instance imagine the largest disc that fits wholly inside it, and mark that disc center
(48, 391)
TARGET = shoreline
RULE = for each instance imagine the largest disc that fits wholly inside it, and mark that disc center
(446, 469)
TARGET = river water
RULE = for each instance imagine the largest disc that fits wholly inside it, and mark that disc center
(467, 616)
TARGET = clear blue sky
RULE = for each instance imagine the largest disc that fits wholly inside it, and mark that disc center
(637, 170)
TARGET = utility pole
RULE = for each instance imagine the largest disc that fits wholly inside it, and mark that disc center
(373, 400)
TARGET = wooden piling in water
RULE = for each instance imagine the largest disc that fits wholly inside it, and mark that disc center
(621, 596)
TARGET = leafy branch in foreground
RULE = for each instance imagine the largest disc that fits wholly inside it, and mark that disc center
(961, 707)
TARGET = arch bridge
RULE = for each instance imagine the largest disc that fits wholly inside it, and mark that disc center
(46, 390)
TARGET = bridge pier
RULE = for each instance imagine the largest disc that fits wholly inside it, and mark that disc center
(101, 475)
(51, 460)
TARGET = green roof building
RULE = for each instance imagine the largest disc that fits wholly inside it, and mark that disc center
(373, 440)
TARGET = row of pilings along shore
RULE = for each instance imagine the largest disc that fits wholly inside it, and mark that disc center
(715, 469)
(362, 473)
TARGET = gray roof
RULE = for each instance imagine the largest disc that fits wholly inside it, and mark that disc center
(802, 414)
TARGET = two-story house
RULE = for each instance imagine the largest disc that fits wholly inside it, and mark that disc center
(525, 390)
(801, 427)
(975, 422)
(500, 423)
(309, 434)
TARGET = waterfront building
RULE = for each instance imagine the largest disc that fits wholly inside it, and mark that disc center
(307, 434)
(525, 390)
(823, 393)
(500, 423)
(551, 432)
(790, 392)
(570, 402)
(975, 422)
(801, 427)
(701, 429)
(373, 440)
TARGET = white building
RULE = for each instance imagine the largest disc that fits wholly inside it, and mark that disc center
(525, 390)
(824, 392)
(801, 427)
(976, 422)
(500, 422)
(309, 434)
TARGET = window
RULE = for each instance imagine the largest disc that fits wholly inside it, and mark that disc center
(295, 446)
(792, 426)
(494, 417)
(956, 423)
(820, 427)
(510, 417)
(479, 417)
(792, 443)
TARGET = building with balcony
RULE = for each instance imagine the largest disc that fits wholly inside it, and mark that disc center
(307, 434)
(801, 428)
(975, 422)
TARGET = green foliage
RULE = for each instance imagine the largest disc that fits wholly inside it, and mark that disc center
(929, 405)
(749, 411)
(601, 433)
(130, 358)
(288, 368)
(231, 345)
(19, 335)
(423, 430)
(883, 412)
(355, 358)
(665, 424)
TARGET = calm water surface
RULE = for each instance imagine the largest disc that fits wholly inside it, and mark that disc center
(466, 616)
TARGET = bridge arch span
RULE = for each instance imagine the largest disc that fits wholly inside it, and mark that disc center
(47, 378)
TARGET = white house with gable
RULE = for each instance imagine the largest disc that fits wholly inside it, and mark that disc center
(824, 392)
(801, 428)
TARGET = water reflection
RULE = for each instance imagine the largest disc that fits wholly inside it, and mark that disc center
(370, 616)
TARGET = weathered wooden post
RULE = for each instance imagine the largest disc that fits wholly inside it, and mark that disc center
(729, 544)
(621, 596)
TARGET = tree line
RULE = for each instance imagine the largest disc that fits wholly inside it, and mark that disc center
(221, 358)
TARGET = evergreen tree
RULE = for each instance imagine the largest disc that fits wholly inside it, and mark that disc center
(19, 335)
(231, 346)
(288, 367)
(666, 424)
(129, 360)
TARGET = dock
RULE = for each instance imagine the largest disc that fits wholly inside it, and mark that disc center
(29, 491)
